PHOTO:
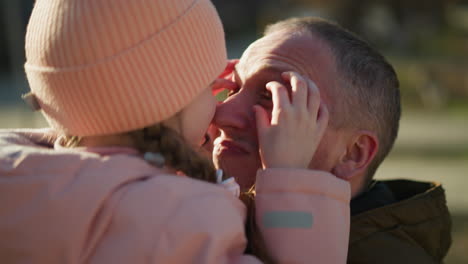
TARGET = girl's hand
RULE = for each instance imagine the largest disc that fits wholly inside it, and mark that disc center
(224, 80)
(291, 137)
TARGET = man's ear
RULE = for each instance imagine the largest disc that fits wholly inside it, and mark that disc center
(359, 153)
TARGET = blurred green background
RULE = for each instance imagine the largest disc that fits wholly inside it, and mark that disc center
(426, 41)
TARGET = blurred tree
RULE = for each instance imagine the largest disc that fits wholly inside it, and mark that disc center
(239, 16)
(433, 12)
(15, 15)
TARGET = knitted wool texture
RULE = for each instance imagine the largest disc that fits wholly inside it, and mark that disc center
(100, 67)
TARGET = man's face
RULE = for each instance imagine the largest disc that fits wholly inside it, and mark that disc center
(236, 149)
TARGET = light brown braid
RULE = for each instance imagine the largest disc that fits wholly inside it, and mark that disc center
(177, 153)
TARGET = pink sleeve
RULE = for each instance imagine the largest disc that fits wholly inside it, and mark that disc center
(303, 215)
(210, 229)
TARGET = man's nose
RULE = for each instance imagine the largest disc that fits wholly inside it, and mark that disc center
(235, 113)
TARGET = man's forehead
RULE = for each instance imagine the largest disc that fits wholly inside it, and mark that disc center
(281, 52)
(265, 66)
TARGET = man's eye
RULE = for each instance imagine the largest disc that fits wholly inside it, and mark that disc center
(266, 95)
(266, 100)
(233, 92)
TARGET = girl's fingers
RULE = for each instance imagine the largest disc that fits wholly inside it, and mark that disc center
(219, 85)
(322, 117)
(298, 88)
(313, 98)
(261, 117)
(224, 79)
(279, 94)
(229, 68)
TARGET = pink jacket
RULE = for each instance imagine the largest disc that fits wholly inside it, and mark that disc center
(70, 206)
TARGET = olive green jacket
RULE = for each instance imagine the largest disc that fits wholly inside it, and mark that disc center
(400, 221)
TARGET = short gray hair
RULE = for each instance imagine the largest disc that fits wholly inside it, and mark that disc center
(369, 87)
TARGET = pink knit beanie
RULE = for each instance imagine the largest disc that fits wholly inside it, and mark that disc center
(106, 66)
